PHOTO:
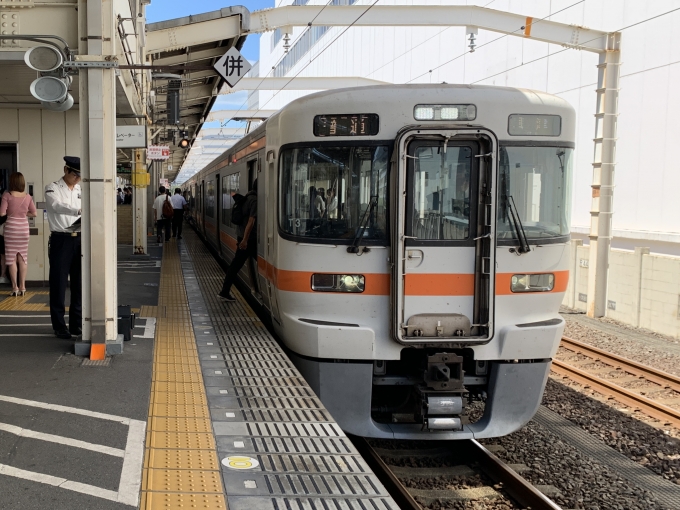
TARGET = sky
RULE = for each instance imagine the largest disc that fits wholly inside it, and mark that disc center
(161, 10)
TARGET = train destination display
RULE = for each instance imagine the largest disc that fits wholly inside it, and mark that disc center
(350, 124)
(534, 125)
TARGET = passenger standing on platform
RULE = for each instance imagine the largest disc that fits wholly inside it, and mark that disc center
(63, 215)
(18, 206)
(179, 204)
(162, 223)
(120, 197)
(246, 243)
(3, 265)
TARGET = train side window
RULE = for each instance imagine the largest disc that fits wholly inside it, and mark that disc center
(441, 193)
(230, 184)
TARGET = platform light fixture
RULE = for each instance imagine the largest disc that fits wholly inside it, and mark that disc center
(445, 112)
(43, 58)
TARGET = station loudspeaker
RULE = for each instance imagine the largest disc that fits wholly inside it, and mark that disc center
(43, 58)
(49, 89)
(60, 106)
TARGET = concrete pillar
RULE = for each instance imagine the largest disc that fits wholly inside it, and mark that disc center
(98, 164)
(637, 281)
(604, 162)
(139, 210)
(572, 288)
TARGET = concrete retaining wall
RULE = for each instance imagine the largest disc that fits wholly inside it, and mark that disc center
(644, 288)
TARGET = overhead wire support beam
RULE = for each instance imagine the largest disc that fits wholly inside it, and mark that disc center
(430, 16)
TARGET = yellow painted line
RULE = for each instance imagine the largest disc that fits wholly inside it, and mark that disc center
(527, 26)
(181, 467)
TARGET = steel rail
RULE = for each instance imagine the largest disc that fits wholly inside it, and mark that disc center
(517, 487)
(520, 490)
(396, 489)
(648, 406)
(664, 379)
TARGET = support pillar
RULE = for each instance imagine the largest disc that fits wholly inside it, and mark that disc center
(604, 162)
(140, 180)
(98, 170)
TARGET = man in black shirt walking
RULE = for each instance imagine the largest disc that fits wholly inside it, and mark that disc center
(246, 242)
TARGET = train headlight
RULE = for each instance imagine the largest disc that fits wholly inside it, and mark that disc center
(445, 112)
(532, 282)
(338, 282)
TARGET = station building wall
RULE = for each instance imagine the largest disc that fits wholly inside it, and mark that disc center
(647, 182)
(42, 138)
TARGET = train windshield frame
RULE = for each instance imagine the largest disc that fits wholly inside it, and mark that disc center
(539, 180)
(349, 183)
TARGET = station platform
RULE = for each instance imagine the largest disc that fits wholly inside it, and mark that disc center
(202, 410)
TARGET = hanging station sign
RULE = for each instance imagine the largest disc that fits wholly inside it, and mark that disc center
(130, 137)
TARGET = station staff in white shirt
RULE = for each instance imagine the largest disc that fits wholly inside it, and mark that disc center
(63, 210)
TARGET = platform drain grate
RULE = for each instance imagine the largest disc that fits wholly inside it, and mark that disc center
(96, 362)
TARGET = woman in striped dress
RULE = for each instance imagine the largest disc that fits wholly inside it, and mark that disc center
(18, 206)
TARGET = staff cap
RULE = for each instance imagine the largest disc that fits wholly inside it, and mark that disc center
(73, 163)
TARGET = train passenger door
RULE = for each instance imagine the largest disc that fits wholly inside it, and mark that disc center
(272, 200)
(201, 204)
(218, 212)
(444, 261)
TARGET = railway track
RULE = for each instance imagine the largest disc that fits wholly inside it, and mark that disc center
(665, 386)
(470, 452)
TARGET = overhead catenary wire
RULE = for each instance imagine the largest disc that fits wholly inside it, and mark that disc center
(297, 39)
(496, 39)
(318, 55)
(585, 42)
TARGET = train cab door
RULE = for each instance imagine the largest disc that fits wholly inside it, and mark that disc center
(443, 278)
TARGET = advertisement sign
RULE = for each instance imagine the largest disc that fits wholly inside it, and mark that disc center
(158, 152)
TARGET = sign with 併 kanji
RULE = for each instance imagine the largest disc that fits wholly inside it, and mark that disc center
(158, 152)
(232, 66)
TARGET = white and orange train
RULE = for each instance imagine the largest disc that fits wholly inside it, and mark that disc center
(412, 249)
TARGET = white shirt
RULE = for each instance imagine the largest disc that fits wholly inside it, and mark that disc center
(63, 205)
(158, 205)
(178, 201)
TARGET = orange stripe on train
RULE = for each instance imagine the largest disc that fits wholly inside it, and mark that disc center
(378, 284)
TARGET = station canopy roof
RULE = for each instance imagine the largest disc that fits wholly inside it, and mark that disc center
(184, 50)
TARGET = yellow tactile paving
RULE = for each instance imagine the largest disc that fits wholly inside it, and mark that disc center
(175, 501)
(183, 480)
(177, 424)
(158, 458)
(181, 468)
(21, 303)
(185, 399)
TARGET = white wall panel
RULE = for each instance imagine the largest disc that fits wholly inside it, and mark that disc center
(646, 176)
(9, 125)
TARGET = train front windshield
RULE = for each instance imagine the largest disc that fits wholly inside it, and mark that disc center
(335, 192)
(536, 183)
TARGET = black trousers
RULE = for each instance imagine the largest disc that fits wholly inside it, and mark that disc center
(163, 224)
(177, 220)
(240, 258)
(66, 260)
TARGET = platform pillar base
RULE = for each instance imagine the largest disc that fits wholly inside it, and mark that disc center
(113, 347)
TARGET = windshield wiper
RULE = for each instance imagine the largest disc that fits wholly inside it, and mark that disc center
(519, 228)
(356, 242)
